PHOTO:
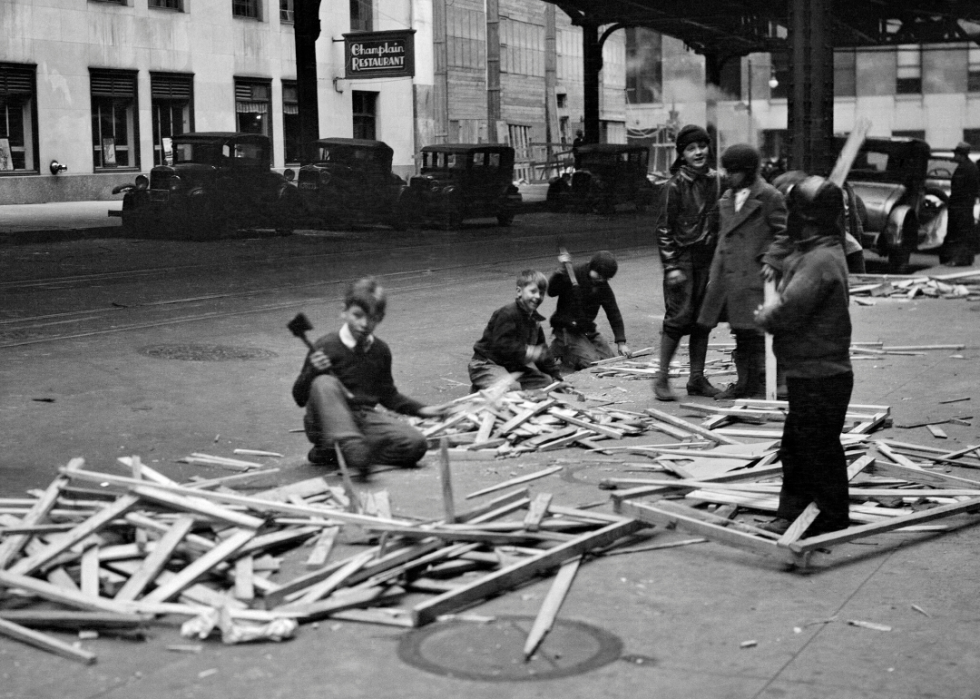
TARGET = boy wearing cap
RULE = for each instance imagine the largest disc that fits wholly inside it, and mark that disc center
(811, 329)
(751, 217)
(686, 236)
(577, 342)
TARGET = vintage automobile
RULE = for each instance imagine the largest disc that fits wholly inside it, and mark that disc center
(349, 180)
(889, 174)
(217, 182)
(605, 175)
(461, 181)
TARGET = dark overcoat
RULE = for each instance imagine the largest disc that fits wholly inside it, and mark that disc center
(735, 284)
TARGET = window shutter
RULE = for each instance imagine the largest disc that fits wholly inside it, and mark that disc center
(171, 87)
(113, 84)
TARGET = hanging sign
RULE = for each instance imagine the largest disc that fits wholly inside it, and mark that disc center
(380, 54)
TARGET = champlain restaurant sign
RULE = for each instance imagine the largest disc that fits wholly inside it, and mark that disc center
(380, 54)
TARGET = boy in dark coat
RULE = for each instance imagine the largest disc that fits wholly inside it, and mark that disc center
(344, 378)
(577, 343)
(513, 341)
(811, 329)
(752, 216)
(686, 236)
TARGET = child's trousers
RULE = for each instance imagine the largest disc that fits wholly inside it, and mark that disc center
(366, 436)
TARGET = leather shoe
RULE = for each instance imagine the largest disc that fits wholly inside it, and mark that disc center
(700, 386)
(662, 390)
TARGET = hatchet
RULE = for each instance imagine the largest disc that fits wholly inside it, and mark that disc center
(299, 326)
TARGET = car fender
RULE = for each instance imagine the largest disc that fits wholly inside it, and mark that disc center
(901, 230)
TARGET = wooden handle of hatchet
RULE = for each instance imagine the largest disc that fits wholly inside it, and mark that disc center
(568, 267)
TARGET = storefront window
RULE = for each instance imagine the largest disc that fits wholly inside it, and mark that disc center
(18, 119)
(173, 115)
(115, 132)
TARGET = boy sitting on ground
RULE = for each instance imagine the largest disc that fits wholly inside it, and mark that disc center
(344, 378)
(514, 342)
(577, 342)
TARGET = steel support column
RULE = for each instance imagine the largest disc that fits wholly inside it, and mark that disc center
(306, 28)
(592, 55)
(811, 90)
(493, 69)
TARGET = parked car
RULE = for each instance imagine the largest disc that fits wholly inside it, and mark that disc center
(461, 181)
(349, 180)
(933, 217)
(889, 174)
(217, 182)
(606, 175)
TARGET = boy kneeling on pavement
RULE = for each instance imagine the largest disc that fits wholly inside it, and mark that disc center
(342, 381)
(513, 341)
(811, 329)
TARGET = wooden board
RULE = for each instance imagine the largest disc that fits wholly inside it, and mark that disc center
(520, 572)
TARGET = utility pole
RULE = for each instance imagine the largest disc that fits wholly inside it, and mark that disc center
(306, 26)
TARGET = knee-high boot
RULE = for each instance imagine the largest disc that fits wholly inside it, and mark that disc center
(697, 384)
(661, 382)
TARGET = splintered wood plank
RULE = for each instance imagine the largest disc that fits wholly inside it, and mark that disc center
(304, 489)
(35, 562)
(322, 547)
(690, 427)
(724, 535)
(446, 478)
(89, 575)
(861, 531)
(70, 619)
(45, 642)
(524, 416)
(198, 505)
(937, 432)
(551, 605)
(799, 525)
(154, 563)
(537, 511)
(12, 545)
(186, 577)
(591, 426)
(46, 590)
(520, 495)
(515, 481)
(244, 577)
(486, 428)
(341, 575)
(520, 572)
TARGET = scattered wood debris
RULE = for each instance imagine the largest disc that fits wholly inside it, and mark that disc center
(909, 287)
(130, 549)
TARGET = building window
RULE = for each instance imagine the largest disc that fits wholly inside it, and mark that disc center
(168, 4)
(18, 119)
(115, 128)
(245, 8)
(908, 79)
(972, 136)
(286, 11)
(361, 15)
(290, 121)
(973, 69)
(110, 2)
(644, 66)
(173, 114)
(252, 98)
(365, 105)
(845, 73)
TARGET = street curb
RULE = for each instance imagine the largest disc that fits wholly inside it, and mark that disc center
(58, 235)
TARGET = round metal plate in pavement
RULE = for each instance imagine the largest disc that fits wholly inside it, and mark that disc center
(206, 353)
(494, 652)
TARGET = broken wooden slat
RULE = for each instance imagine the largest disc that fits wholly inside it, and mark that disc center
(12, 545)
(46, 590)
(537, 511)
(157, 559)
(198, 505)
(45, 642)
(690, 427)
(445, 477)
(322, 547)
(202, 565)
(551, 605)
(520, 572)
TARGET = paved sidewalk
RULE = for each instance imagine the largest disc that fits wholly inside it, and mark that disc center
(35, 223)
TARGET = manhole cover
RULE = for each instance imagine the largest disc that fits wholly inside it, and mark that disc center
(494, 652)
(206, 353)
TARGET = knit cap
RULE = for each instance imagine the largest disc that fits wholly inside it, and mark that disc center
(691, 134)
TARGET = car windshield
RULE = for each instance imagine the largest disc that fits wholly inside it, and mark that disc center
(438, 160)
(941, 168)
(220, 153)
(348, 155)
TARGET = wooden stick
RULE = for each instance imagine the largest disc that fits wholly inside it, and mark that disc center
(12, 545)
(551, 605)
(198, 505)
(40, 588)
(353, 502)
(515, 481)
(520, 572)
(690, 427)
(154, 563)
(186, 577)
(445, 473)
(45, 642)
(537, 511)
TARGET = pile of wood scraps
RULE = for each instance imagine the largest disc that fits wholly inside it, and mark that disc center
(514, 424)
(629, 368)
(864, 287)
(98, 551)
(889, 493)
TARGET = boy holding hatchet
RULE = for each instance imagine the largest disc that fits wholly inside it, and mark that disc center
(343, 379)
